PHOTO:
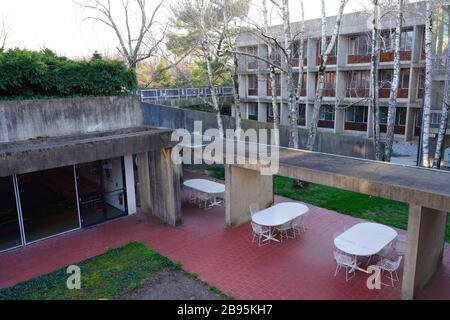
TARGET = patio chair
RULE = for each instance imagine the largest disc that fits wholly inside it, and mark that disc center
(298, 226)
(284, 230)
(399, 245)
(345, 261)
(391, 267)
(260, 233)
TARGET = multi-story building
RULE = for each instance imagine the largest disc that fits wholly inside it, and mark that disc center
(347, 81)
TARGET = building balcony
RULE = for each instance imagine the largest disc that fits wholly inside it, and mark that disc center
(389, 56)
(332, 60)
(355, 126)
(358, 93)
(326, 124)
(329, 92)
(296, 64)
(354, 59)
(397, 129)
(385, 93)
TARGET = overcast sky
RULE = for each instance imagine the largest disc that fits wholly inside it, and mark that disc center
(59, 25)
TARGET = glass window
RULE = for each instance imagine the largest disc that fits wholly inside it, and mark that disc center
(359, 80)
(49, 203)
(302, 115)
(406, 40)
(400, 116)
(356, 114)
(404, 79)
(252, 85)
(326, 113)
(296, 80)
(9, 219)
(385, 79)
(330, 80)
(253, 111)
(359, 45)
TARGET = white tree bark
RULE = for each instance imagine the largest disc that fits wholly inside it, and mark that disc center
(272, 74)
(390, 132)
(374, 84)
(444, 117)
(428, 81)
(325, 52)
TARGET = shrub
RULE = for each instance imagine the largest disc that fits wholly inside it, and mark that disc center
(31, 74)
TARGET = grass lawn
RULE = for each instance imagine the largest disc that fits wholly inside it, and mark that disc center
(388, 212)
(103, 277)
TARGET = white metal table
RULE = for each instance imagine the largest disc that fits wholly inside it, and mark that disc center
(278, 215)
(208, 187)
(365, 239)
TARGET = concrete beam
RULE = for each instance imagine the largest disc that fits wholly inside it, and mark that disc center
(244, 187)
(425, 247)
(163, 182)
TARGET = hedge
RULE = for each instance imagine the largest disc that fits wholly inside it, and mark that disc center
(31, 74)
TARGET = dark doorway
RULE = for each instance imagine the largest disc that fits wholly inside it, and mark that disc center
(48, 203)
(101, 191)
(9, 219)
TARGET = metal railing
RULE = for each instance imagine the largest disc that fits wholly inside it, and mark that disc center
(183, 93)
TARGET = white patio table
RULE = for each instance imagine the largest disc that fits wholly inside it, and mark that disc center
(207, 187)
(278, 215)
(365, 239)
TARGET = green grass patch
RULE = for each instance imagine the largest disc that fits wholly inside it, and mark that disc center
(102, 277)
(380, 210)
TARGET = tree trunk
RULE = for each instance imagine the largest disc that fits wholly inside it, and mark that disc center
(444, 117)
(214, 99)
(394, 86)
(374, 81)
(324, 53)
(428, 81)
(237, 99)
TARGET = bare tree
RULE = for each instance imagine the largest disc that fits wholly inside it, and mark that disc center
(444, 117)
(428, 82)
(133, 47)
(4, 32)
(374, 81)
(325, 51)
(395, 83)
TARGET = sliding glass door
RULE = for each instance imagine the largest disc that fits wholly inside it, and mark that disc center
(10, 236)
(101, 191)
(48, 203)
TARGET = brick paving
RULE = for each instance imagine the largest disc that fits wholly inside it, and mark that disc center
(297, 269)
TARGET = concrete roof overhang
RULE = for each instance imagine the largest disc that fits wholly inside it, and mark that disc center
(52, 152)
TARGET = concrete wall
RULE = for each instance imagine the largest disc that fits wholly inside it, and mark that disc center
(28, 119)
(327, 142)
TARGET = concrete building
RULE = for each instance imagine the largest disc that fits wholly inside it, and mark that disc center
(347, 77)
(67, 164)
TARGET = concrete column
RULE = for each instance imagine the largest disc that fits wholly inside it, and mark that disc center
(129, 180)
(160, 186)
(339, 118)
(370, 120)
(244, 187)
(425, 248)
(262, 112)
(410, 124)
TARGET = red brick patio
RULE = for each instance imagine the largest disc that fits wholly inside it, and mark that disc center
(297, 269)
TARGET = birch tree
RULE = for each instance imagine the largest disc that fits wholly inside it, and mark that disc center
(395, 83)
(374, 81)
(134, 44)
(325, 50)
(444, 117)
(4, 32)
(428, 82)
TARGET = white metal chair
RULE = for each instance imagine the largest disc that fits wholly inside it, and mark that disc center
(298, 225)
(399, 245)
(391, 267)
(345, 261)
(283, 230)
(260, 233)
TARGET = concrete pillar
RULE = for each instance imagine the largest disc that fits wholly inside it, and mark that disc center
(370, 120)
(410, 124)
(244, 187)
(160, 186)
(262, 112)
(425, 248)
(129, 180)
(339, 118)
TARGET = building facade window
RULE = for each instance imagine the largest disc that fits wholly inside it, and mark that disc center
(302, 115)
(356, 118)
(252, 63)
(326, 117)
(406, 40)
(359, 45)
(358, 84)
(277, 85)
(252, 85)
(399, 123)
(270, 116)
(252, 108)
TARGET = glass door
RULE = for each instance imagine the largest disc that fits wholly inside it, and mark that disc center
(101, 191)
(10, 236)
